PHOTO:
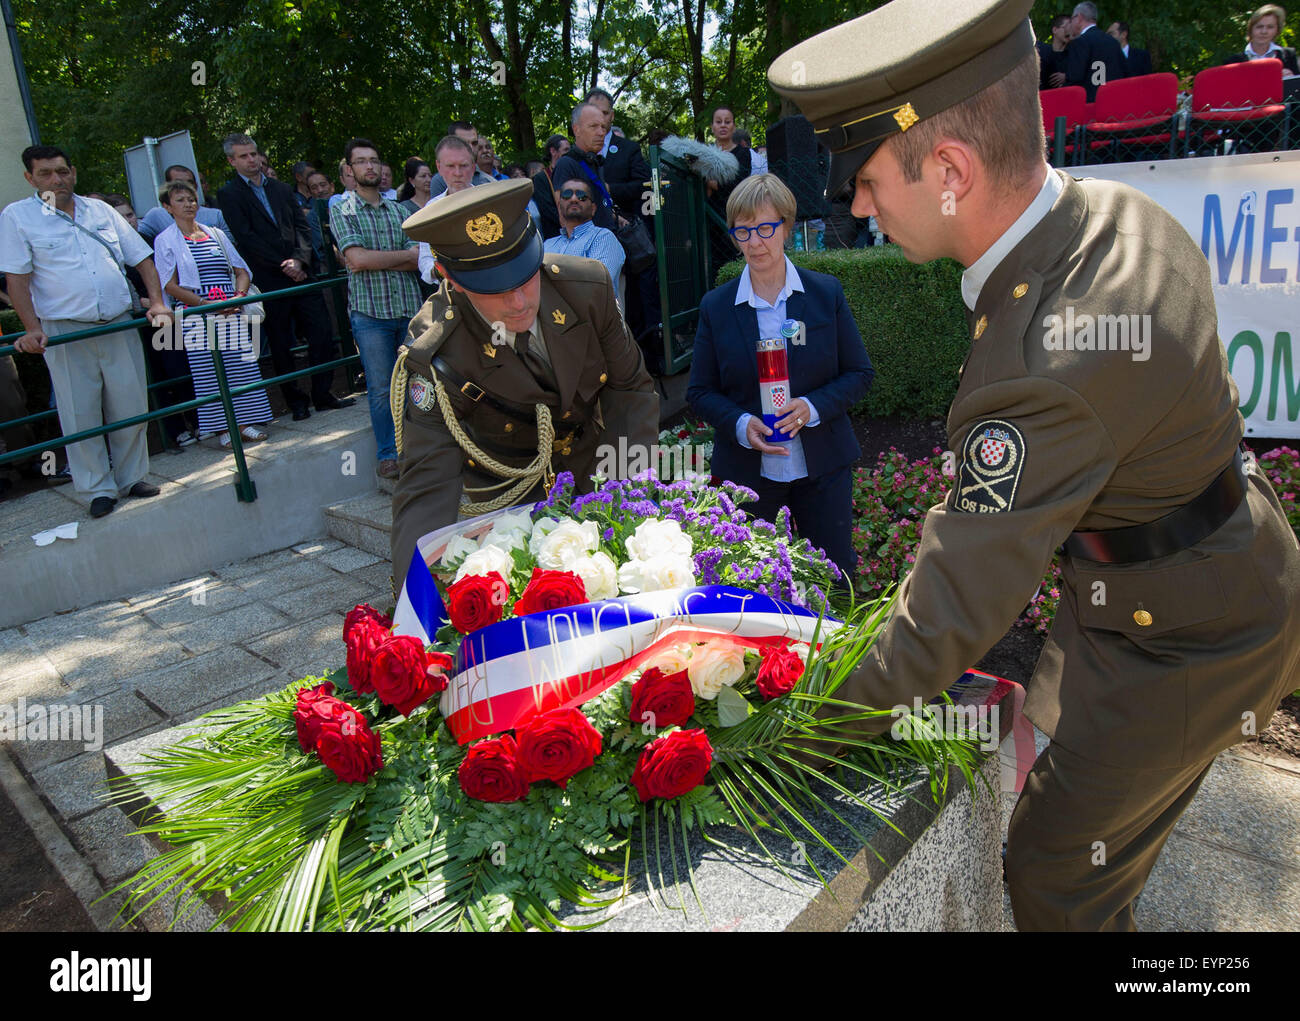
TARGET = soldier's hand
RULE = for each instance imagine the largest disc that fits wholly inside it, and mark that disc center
(755, 435)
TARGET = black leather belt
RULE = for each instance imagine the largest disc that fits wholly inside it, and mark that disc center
(1177, 530)
(476, 393)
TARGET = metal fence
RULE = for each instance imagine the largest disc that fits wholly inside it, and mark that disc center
(245, 488)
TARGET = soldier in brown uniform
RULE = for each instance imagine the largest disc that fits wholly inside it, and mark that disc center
(1094, 412)
(529, 354)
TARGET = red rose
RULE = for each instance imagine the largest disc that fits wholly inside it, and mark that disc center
(490, 771)
(778, 672)
(400, 674)
(363, 641)
(349, 747)
(476, 601)
(364, 612)
(314, 707)
(669, 699)
(672, 765)
(550, 590)
(557, 745)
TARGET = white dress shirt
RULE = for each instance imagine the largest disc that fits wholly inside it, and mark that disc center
(73, 276)
(973, 280)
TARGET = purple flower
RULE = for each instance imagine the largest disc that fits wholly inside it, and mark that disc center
(608, 534)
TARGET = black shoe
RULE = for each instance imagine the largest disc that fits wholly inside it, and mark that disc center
(301, 412)
(336, 402)
(143, 488)
(102, 505)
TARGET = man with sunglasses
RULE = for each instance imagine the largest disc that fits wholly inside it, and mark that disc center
(579, 234)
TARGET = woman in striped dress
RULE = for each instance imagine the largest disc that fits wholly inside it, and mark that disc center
(198, 264)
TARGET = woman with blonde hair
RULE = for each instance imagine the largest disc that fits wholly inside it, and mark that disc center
(1262, 32)
(806, 464)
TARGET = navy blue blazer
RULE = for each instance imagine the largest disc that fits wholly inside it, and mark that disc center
(831, 370)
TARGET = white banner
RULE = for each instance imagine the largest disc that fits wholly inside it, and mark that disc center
(1243, 212)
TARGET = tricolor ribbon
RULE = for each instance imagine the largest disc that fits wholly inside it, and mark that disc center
(519, 667)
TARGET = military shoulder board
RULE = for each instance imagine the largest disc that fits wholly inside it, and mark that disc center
(420, 391)
(992, 460)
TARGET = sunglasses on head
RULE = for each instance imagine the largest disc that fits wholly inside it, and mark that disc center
(574, 193)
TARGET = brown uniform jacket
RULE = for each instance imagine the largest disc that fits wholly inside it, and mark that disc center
(597, 365)
(1050, 440)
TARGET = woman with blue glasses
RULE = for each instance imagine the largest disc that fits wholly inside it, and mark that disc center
(781, 342)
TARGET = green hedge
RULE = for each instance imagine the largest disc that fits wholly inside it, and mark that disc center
(911, 319)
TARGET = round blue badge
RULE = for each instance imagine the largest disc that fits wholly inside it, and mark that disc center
(790, 328)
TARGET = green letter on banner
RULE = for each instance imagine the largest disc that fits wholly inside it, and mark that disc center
(1282, 377)
(1250, 339)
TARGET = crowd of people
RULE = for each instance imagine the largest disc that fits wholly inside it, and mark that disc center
(1081, 54)
(259, 232)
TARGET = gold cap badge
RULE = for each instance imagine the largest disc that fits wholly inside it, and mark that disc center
(906, 116)
(486, 229)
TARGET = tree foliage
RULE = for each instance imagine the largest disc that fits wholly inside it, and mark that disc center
(302, 76)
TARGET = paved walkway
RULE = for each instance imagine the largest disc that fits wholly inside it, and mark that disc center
(162, 657)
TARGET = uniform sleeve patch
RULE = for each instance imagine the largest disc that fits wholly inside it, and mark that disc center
(420, 391)
(992, 459)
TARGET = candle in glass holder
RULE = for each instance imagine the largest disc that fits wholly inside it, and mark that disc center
(773, 385)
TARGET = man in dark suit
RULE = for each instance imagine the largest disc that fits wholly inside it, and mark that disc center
(1136, 62)
(627, 175)
(1093, 58)
(271, 233)
(544, 191)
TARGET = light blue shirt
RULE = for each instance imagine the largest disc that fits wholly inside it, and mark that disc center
(259, 189)
(770, 318)
(590, 242)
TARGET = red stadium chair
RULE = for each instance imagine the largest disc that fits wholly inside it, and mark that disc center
(1239, 101)
(1068, 102)
(1126, 111)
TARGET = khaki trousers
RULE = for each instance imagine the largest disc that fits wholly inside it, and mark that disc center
(98, 380)
(1084, 837)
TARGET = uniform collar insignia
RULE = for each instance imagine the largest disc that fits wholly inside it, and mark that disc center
(558, 316)
(489, 350)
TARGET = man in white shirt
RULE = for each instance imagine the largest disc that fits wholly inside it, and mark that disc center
(63, 257)
(455, 161)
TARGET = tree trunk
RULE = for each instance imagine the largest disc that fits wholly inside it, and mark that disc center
(693, 19)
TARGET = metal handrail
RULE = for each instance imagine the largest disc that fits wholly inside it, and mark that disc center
(245, 489)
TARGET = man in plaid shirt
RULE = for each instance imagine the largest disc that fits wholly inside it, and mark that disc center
(383, 293)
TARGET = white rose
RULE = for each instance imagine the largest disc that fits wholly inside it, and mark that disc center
(507, 541)
(714, 664)
(457, 549)
(672, 660)
(669, 571)
(653, 538)
(569, 540)
(598, 575)
(512, 523)
(485, 561)
(631, 576)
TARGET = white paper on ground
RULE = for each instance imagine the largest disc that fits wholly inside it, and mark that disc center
(68, 531)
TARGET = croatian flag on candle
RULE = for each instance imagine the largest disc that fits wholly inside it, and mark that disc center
(773, 385)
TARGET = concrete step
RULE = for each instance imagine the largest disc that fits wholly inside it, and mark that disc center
(365, 522)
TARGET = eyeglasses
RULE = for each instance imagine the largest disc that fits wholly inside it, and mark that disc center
(366, 163)
(763, 230)
(574, 193)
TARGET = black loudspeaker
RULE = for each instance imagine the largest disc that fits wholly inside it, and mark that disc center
(795, 157)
